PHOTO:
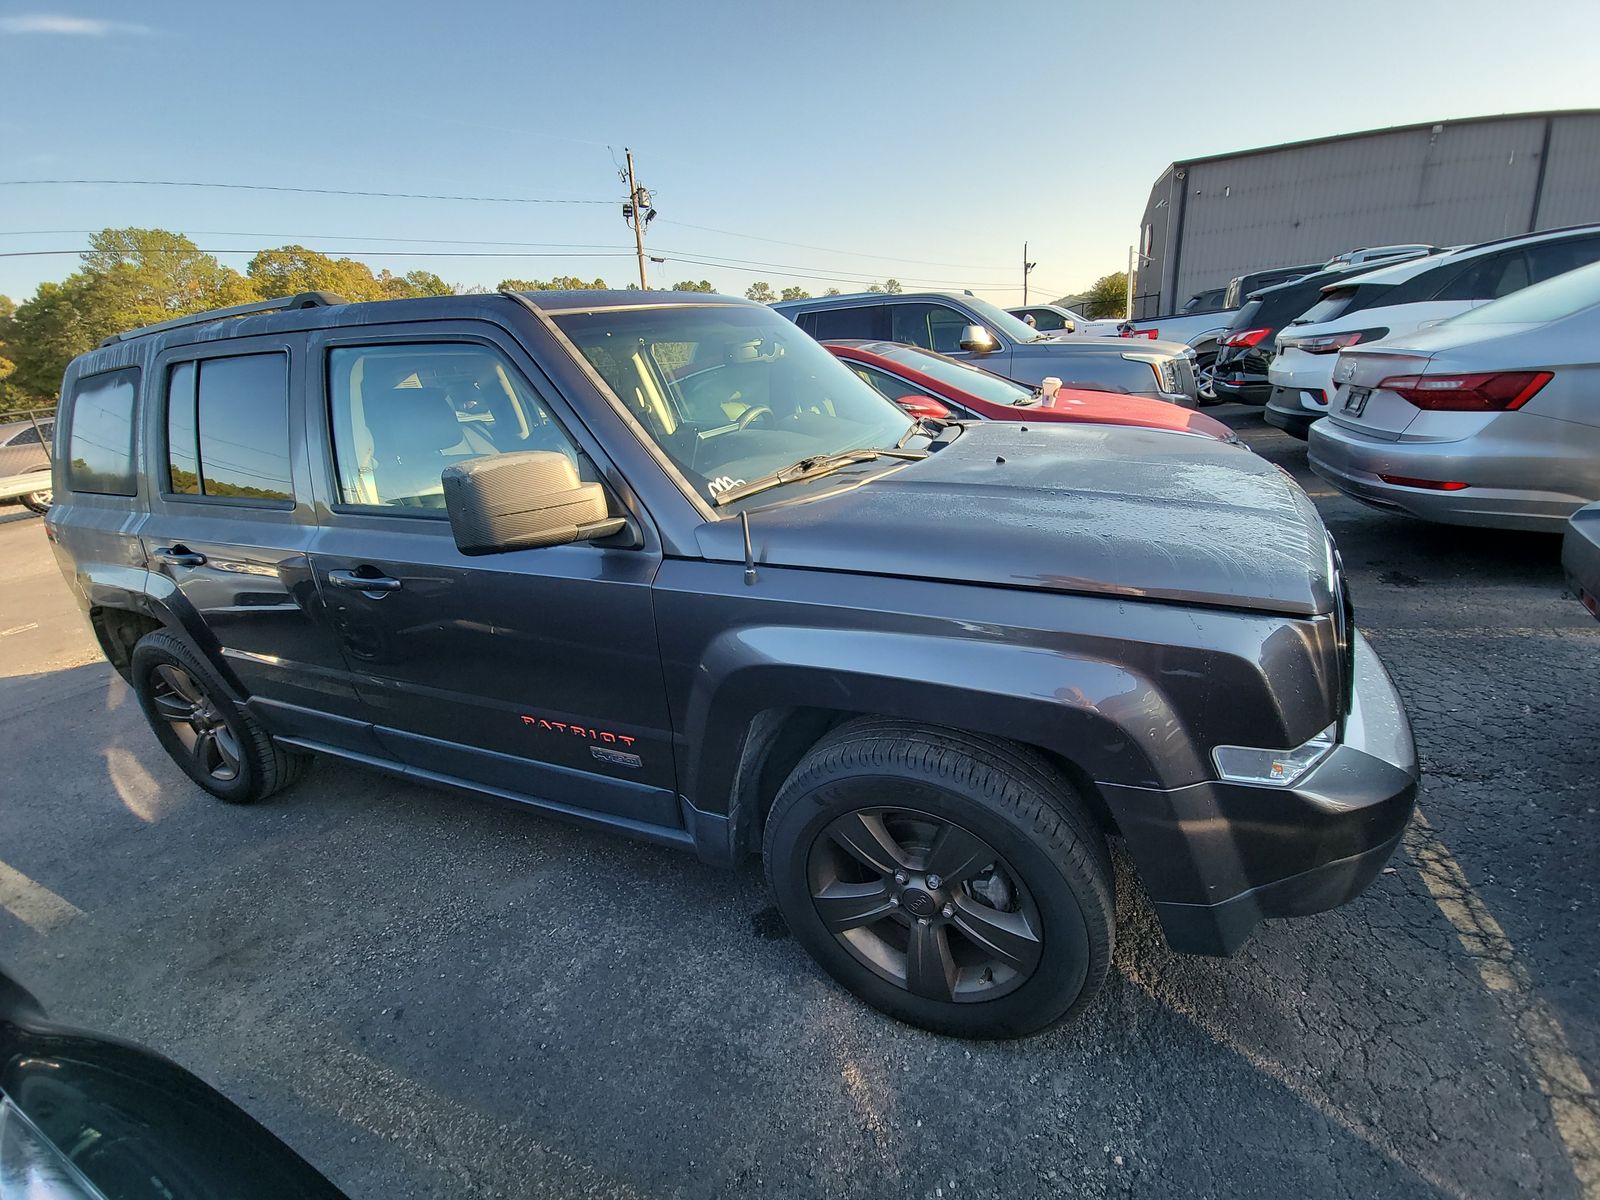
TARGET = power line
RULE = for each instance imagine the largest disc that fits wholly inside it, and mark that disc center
(921, 262)
(310, 191)
(351, 253)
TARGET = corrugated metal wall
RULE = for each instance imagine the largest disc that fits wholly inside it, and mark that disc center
(1445, 184)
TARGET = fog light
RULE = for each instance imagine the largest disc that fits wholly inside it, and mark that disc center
(1276, 768)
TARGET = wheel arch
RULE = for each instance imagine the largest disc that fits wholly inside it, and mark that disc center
(766, 696)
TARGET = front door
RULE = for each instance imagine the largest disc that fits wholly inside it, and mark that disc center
(535, 672)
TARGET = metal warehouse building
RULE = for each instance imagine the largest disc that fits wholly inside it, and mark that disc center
(1452, 182)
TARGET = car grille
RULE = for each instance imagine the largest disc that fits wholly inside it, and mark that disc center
(1178, 375)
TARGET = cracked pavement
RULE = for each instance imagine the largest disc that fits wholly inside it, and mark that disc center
(432, 995)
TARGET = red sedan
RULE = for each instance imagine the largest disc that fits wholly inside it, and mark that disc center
(928, 384)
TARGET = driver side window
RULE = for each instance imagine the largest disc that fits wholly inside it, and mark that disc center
(931, 326)
(403, 413)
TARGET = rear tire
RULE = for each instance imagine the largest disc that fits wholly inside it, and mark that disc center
(38, 502)
(953, 881)
(194, 717)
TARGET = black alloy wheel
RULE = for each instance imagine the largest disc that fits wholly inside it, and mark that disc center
(196, 722)
(925, 903)
(953, 880)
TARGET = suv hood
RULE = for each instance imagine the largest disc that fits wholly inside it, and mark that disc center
(1098, 509)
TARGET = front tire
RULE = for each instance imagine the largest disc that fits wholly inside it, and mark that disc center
(196, 721)
(953, 881)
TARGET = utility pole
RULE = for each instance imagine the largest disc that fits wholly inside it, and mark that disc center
(1026, 267)
(638, 213)
(1133, 257)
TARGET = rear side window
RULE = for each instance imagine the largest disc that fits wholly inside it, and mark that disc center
(1045, 319)
(1335, 304)
(100, 438)
(1550, 259)
(228, 429)
(1490, 277)
(862, 322)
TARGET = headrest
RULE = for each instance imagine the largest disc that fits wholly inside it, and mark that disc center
(409, 421)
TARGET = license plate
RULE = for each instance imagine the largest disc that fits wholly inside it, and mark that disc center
(1355, 400)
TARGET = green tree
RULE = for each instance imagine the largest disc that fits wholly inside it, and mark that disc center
(48, 331)
(559, 283)
(289, 270)
(412, 284)
(795, 293)
(688, 285)
(1108, 297)
(761, 292)
(8, 314)
(833, 292)
(141, 276)
(892, 286)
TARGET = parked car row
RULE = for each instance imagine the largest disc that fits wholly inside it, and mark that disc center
(968, 328)
(1205, 318)
(1400, 299)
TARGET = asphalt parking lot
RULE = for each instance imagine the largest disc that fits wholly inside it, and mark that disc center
(432, 995)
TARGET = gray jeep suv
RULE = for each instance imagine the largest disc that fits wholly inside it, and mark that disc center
(659, 563)
(966, 327)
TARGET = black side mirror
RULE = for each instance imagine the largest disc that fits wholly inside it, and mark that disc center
(524, 501)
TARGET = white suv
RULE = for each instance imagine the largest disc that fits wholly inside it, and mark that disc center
(1402, 299)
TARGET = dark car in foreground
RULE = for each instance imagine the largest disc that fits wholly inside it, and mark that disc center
(976, 331)
(911, 377)
(87, 1117)
(1580, 555)
(660, 563)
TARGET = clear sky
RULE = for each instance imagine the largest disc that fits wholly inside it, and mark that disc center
(818, 143)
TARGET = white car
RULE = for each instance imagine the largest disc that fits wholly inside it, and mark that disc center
(1402, 299)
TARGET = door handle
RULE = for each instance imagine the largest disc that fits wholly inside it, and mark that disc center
(363, 583)
(179, 556)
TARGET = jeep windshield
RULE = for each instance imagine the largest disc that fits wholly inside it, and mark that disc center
(734, 393)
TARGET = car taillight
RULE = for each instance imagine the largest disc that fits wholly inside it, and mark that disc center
(1246, 337)
(1485, 391)
(1332, 343)
(1433, 485)
(1144, 333)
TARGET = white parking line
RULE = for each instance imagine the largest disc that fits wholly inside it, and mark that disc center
(19, 629)
(32, 903)
(1573, 1103)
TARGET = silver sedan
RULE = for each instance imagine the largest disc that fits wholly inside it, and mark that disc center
(1490, 418)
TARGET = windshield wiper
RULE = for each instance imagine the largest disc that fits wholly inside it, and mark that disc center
(811, 468)
(930, 427)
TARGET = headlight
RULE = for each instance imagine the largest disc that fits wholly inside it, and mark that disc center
(31, 1167)
(1275, 768)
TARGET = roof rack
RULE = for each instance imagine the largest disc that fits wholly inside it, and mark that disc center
(281, 304)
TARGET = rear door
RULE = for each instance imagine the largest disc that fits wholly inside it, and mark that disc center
(535, 673)
(230, 522)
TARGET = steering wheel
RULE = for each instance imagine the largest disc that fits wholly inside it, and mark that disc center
(753, 414)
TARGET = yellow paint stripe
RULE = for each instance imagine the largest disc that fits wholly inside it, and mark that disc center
(1573, 1104)
(32, 903)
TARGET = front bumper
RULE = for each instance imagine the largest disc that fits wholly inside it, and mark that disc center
(1219, 858)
